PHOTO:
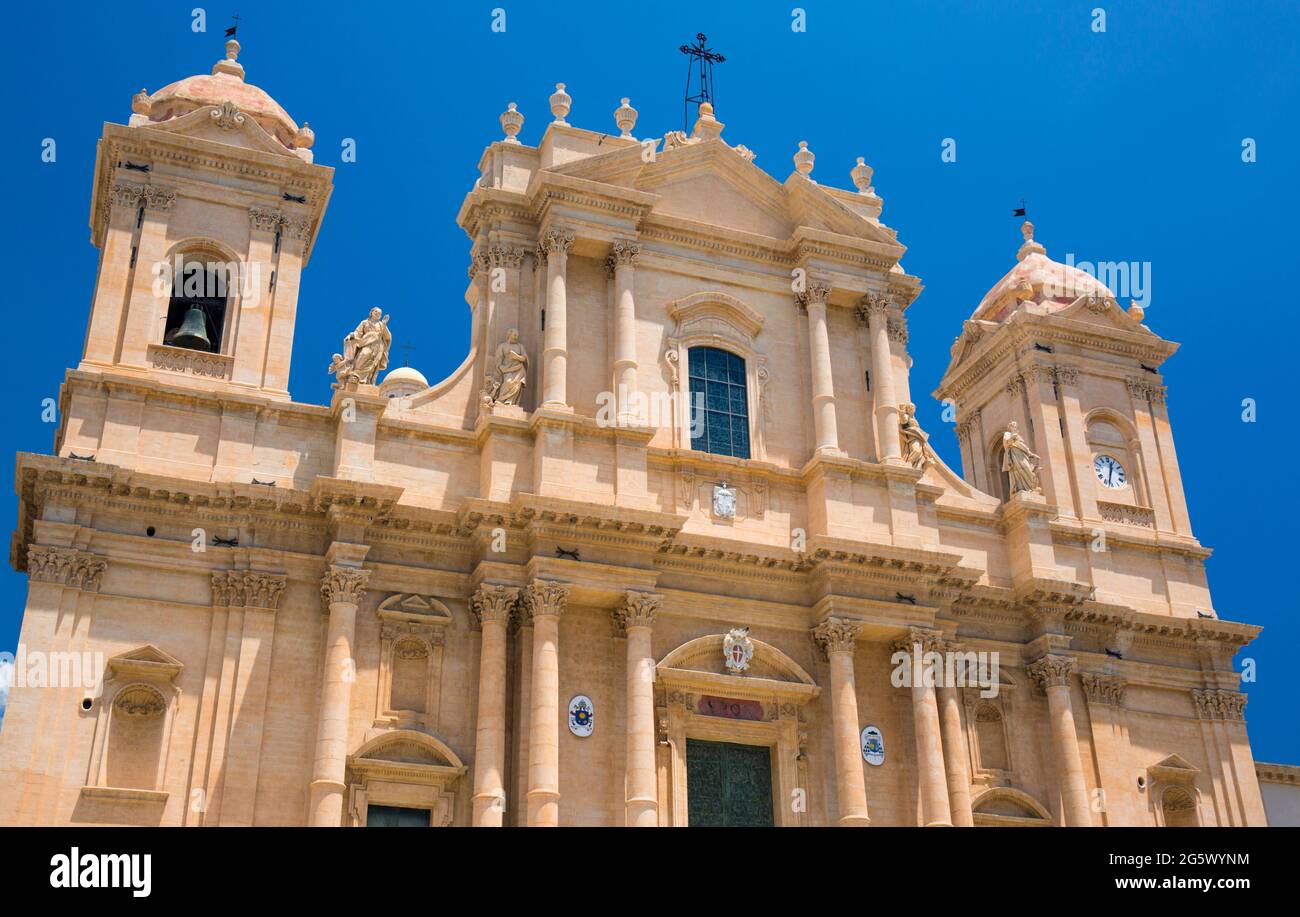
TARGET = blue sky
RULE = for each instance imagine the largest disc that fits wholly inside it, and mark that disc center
(1126, 145)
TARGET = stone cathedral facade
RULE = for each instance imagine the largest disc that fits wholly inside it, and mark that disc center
(650, 555)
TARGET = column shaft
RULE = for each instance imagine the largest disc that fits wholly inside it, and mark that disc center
(555, 355)
(1074, 792)
(823, 400)
(642, 773)
(837, 638)
(935, 811)
(625, 363)
(954, 757)
(332, 723)
(882, 382)
(545, 601)
(493, 606)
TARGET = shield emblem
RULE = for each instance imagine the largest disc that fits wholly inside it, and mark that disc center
(737, 650)
(582, 716)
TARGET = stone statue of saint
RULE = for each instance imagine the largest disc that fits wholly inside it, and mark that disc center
(915, 441)
(510, 363)
(1018, 462)
(365, 351)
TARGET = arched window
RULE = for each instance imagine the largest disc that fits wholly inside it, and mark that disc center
(718, 389)
(196, 314)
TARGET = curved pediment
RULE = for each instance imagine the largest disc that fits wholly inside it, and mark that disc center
(701, 308)
(223, 124)
(405, 747)
(704, 654)
(1004, 805)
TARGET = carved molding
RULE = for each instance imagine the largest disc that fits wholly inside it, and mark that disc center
(1127, 515)
(1104, 689)
(931, 641)
(1142, 390)
(191, 362)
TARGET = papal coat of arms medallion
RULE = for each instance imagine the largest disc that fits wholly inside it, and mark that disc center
(582, 716)
(737, 650)
(724, 501)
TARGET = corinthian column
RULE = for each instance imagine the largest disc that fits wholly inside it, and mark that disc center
(1052, 674)
(876, 308)
(492, 605)
(544, 601)
(837, 638)
(341, 589)
(933, 779)
(814, 301)
(622, 256)
(637, 617)
(555, 352)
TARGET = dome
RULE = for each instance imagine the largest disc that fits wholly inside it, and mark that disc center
(406, 377)
(1038, 279)
(224, 84)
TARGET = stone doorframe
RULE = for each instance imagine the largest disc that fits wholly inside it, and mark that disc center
(782, 692)
(404, 768)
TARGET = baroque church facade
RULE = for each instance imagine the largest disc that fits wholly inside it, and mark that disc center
(649, 556)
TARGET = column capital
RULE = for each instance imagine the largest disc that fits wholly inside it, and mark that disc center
(622, 253)
(343, 584)
(638, 609)
(65, 567)
(815, 293)
(836, 635)
(1104, 689)
(247, 589)
(545, 597)
(930, 641)
(264, 219)
(1218, 704)
(491, 602)
(1051, 670)
(873, 305)
(556, 241)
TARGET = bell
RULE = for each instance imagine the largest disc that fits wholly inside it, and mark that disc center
(193, 332)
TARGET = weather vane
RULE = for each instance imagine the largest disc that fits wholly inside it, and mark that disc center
(703, 59)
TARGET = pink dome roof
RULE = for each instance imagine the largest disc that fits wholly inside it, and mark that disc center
(1039, 279)
(226, 84)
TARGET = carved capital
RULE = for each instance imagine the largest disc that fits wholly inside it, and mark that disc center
(1104, 689)
(836, 635)
(1051, 670)
(815, 293)
(343, 584)
(1067, 375)
(66, 567)
(126, 195)
(638, 610)
(501, 256)
(873, 305)
(247, 588)
(296, 227)
(264, 219)
(556, 242)
(546, 597)
(158, 199)
(1217, 704)
(897, 329)
(494, 603)
(622, 252)
(930, 641)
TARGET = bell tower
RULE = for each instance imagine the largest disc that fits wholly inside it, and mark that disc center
(205, 208)
(1051, 350)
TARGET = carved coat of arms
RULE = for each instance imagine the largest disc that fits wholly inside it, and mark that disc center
(737, 649)
(724, 501)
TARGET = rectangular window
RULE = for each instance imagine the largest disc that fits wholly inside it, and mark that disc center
(718, 387)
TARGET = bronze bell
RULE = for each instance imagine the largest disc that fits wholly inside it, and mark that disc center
(193, 332)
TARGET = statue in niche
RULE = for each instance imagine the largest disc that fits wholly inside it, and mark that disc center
(505, 383)
(1018, 462)
(915, 441)
(365, 352)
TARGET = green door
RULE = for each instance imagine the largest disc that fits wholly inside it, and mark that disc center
(396, 817)
(728, 786)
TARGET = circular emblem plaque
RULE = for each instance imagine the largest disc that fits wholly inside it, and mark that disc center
(582, 716)
(873, 746)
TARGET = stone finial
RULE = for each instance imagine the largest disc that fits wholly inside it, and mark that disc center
(561, 102)
(1136, 312)
(861, 175)
(230, 65)
(305, 137)
(803, 160)
(707, 127)
(511, 122)
(625, 118)
(140, 102)
(1030, 246)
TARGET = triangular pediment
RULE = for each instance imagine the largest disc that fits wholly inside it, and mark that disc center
(413, 604)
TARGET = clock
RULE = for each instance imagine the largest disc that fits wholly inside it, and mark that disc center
(1109, 471)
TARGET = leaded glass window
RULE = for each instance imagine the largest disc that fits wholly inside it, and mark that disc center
(717, 385)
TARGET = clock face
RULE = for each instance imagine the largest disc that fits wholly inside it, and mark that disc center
(1109, 471)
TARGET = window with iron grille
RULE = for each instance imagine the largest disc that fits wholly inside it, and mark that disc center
(717, 385)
